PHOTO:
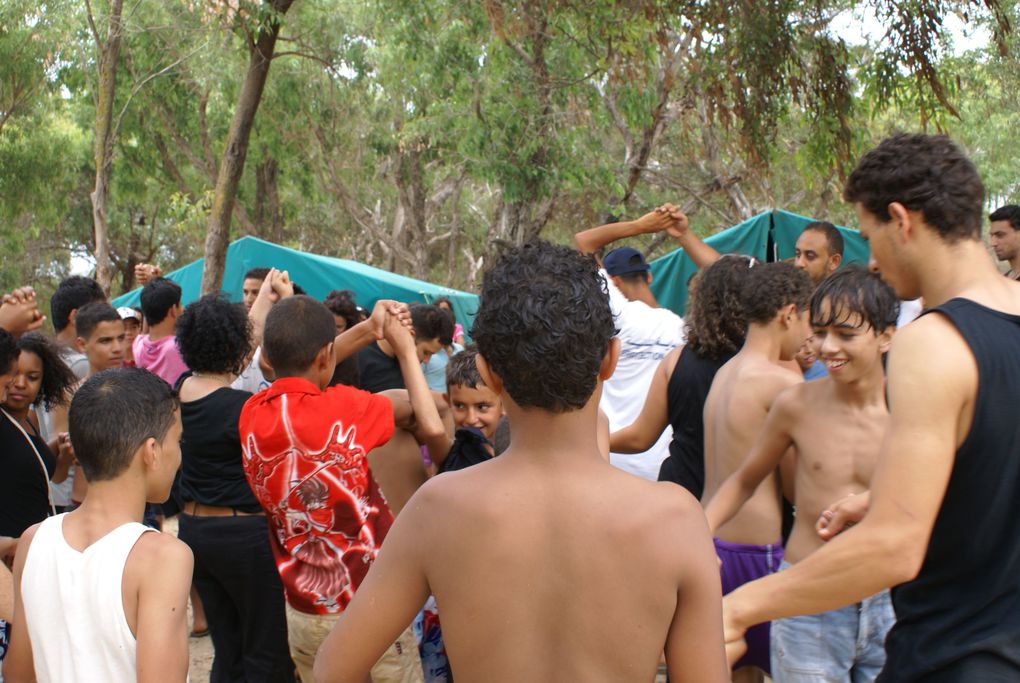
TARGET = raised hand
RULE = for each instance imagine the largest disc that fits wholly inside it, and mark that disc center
(680, 225)
(19, 312)
(281, 284)
(145, 272)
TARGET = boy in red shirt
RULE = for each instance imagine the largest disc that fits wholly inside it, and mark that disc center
(305, 455)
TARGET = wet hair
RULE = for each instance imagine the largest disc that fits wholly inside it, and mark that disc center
(341, 302)
(462, 369)
(8, 351)
(855, 291)
(256, 274)
(926, 173)
(715, 321)
(113, 414)
(57, 378)
(430, 322)
(1009, 213)
(214, 335)
(158, 297)
(448, 311)
(771, 286)
(296, 330)
(833, 237)
(73, 293)
(544, 325)
(90, 315)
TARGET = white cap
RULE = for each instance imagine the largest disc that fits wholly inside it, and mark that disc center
(126, 312)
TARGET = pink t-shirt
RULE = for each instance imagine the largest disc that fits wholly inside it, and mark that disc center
(161, 358)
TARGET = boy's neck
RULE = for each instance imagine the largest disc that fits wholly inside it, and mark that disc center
(554, 438)
(111, 503)
(308, 375)
(162, 329)
(866, 391)
(763, 341)
(950, 270)
(67, 336)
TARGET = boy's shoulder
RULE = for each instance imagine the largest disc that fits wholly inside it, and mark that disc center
(157, 555)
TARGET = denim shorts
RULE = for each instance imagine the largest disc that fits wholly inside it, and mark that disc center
(844, 645)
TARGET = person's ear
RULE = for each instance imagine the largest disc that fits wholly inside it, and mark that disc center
(904, 220)
(324, 356)
(488, 375)
(834, 262)
(788, 315)
(150, 453)
(885, 339)
(79, 344)
(648, 273)
(609, 361)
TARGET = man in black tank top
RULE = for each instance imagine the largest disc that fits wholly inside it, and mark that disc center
(945, 496)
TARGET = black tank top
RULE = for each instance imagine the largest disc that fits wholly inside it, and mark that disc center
(688, 388)
(965, 603)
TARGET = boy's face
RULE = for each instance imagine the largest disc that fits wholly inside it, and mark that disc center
(105, 346)
(887, 257)
(250, 291)
(427, 348)
(479, 408)
(849, 347)
(798, 332)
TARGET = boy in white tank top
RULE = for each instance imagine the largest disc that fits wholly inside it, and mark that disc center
(96, 597)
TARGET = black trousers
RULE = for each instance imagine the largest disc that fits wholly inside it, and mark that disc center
(243, 597)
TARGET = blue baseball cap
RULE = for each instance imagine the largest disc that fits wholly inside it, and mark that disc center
(625, 260)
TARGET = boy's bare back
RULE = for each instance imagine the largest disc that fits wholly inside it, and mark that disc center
(547, 573)
(740, 398)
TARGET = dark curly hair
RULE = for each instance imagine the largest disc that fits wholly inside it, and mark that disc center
(341, 302)
(926, 173)
(430, 322)
(715, 322)
(854, 291)
(544, 325)
(771, 286)
(57, 379)
(214, 335)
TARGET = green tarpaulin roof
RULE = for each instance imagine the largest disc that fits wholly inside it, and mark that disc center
(769, 236)
(318, 276)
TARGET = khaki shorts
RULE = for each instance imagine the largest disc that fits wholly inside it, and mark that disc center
(400, 663)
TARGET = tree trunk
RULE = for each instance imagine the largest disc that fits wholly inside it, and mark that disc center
(236, 149)
(107, 54)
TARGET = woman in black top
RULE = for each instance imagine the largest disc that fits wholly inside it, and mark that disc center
(40, 378)
(715, 327)
(221, 521)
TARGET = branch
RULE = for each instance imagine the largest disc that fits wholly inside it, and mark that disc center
(92, 24)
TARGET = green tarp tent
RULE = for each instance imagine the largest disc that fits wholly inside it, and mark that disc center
(317, 275)
(769, 236)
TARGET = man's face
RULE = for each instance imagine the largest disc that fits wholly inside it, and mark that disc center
(811, 254)
(250, 289)
(427, 348)
(105, 346)
(886, 256)
(478, 407)
(1004, 239)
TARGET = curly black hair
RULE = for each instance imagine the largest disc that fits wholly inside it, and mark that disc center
(715, 321)
(855, 291)
(544, 325)
(430, 322)
(214, 335)
(926, 173)
(341, 302)
(58, 379)
(771, 286)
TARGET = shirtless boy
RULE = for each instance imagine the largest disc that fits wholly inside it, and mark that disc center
(533, 556)
(749, 545)
(837, 425)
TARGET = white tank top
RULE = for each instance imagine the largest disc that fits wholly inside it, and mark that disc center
(74, 607)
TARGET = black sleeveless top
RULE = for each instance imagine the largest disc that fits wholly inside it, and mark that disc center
(686, 393)
(965, 603)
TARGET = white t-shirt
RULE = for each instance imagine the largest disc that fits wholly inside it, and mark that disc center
(252, 380)
(646, 336)
(909, 310)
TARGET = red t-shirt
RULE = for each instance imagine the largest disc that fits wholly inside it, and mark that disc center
(305, 457)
